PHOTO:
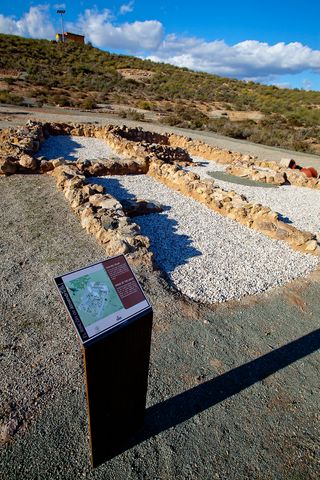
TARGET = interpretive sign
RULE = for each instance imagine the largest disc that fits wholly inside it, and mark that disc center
(114, 322)
(101, 296)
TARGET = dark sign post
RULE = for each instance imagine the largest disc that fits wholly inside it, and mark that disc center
(113, 320)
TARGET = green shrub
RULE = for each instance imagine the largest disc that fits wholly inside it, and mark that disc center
(10, 80)
(132, 115)
(10, 98)
(186, 117)
(144, 105)
(60, 100)
(88, 104)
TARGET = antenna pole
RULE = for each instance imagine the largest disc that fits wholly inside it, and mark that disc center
(62, 12)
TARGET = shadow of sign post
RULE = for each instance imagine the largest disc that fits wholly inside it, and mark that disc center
(113, 319)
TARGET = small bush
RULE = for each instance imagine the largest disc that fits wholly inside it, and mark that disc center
(144, 105)
(60, 100)
(186, 117)
(88, 104)
(10, 98)
(132, 115)
(10, 80)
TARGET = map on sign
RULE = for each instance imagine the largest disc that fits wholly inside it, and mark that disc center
(94, 296)
(101, 296)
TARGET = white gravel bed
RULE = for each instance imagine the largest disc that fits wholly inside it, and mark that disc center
(205, 167)
(297, 206)
(75, 148)
(208, 257)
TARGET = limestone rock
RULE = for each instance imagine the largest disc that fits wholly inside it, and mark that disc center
(137, 207)
(27, 163)
(311, 245)
(8, 166)
(109, 222)
(46, 166)
(104, 201)
(117, 247)
(92, 189)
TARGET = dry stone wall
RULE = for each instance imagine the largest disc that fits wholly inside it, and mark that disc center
(19, 145)
(247, 171)
(234, 206)
(208, 152)
(238, 164)
(193, 147)
(271, 172)
(140, 135)
(104, 217)
(131, 143)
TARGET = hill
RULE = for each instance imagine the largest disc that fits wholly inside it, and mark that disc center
(39, 72)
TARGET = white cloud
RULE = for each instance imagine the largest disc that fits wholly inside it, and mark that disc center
(126, 8)
(134, 37)
(282, 84)
(306, 84)
(249, 59)
(35, 24)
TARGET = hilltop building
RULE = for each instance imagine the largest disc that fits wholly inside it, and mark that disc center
(70, 37)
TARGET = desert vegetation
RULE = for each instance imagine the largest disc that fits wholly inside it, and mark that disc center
(73, 75)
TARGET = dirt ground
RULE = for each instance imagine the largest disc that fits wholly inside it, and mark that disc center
(233, 388)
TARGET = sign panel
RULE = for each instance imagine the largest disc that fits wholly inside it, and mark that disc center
(101, 296)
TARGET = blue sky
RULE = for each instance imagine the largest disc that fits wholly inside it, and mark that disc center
(274, 43)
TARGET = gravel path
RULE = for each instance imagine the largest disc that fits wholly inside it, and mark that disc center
(204, 166)
(208, 257)
(299, 206)
(75, 148)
